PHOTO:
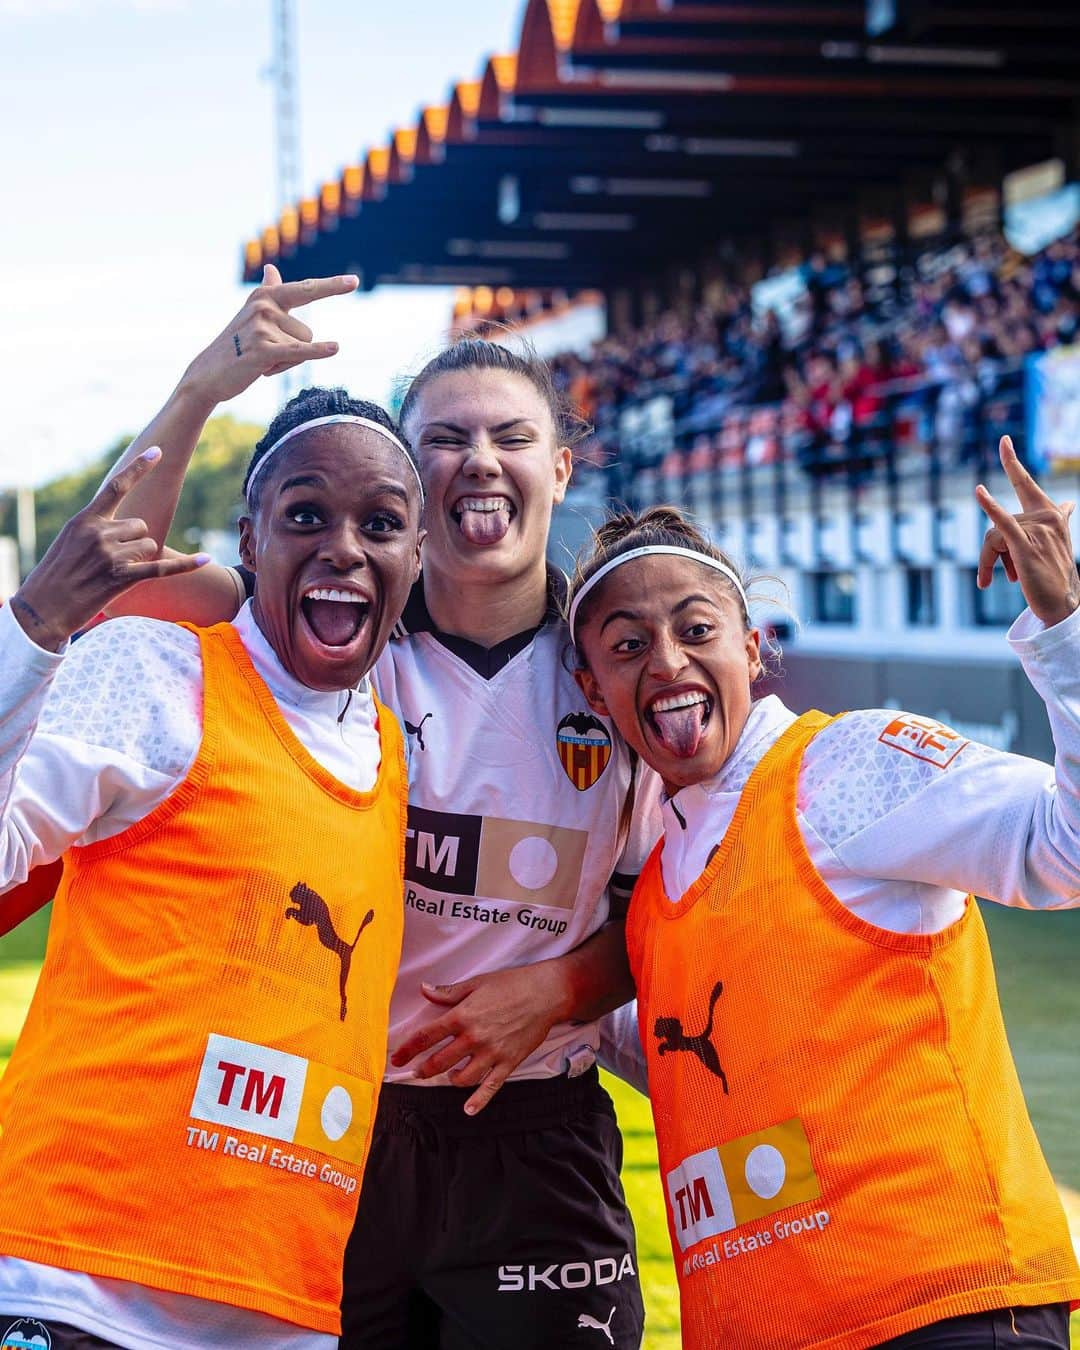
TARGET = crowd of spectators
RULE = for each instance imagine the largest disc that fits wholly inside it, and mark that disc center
(839, 342)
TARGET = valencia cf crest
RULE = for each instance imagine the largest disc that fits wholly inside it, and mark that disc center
(584, 748)
(26, 1333)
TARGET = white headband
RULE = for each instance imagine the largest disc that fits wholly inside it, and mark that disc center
(648, 551)
(326, 422)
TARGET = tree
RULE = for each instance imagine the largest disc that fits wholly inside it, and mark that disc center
(211, 499)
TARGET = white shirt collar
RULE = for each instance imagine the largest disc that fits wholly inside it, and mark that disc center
(287, 688)
(766, 723)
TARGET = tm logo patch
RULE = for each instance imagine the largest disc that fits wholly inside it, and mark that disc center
(745, 1179)
(268, 1092)
(494, 859)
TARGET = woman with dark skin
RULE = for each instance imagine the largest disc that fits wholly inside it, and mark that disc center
(521, 853)
(211, 1016)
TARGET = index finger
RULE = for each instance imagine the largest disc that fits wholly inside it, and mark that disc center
(1028, 493)
(487, 1089)
(292, 294)
(433, 1034)
(111, 494)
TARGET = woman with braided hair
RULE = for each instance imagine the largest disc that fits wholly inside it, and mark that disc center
(188, 1112)
(492, 1212)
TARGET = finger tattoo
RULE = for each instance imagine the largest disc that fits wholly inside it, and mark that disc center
(236, 344)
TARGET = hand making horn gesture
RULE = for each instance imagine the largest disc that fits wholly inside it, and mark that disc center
(1035, 546)
(264, 338)
(93, 559)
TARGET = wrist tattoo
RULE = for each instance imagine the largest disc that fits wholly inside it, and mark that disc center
(236, 344)
(25, 607)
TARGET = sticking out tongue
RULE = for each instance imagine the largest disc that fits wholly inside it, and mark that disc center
(680, 729)
(485, 527)
(334, 622)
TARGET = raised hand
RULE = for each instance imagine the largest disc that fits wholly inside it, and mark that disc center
(264, 338)
(1035, 546)
(93, 559)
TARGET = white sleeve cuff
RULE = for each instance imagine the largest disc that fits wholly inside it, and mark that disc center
(1029, 636)
(20, 652)
(1049, 657)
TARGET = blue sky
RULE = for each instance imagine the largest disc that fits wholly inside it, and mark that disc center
(138, 155)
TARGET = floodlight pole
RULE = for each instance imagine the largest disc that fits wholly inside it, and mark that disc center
(286, 106)
(284, 73)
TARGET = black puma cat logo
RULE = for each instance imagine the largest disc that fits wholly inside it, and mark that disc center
(417, 730)
(668, 1031)
(311, 908)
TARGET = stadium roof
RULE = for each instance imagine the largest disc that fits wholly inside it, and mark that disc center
(622, 135)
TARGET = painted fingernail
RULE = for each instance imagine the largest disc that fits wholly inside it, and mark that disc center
(201, 559)
(152, 454)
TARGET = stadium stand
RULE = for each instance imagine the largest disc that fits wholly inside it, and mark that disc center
(844, 381)
(801, 216)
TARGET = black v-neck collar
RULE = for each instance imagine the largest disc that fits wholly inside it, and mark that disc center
(484, 661)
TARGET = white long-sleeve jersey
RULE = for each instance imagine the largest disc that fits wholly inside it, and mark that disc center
(901, 816)
(91, 741)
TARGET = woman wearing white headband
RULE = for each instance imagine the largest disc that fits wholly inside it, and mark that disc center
(187, 1114)
(844, 1148)
(526, 833)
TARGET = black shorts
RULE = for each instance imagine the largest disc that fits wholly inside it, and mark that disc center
(504, 1231)
(1040, 1328)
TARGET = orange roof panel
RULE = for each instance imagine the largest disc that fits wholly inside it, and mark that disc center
(563, 17)
(505, 71)
(402, 154)
(376, 167)
(468, 91)
(500, 74)
(288, 227)
(464, 104)
(431, 134)
(405, 142)
(435, 119)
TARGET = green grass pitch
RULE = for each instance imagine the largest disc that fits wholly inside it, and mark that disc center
(1036, 956)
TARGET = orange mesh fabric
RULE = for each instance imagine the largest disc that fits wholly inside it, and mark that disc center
(843, 1142)
(190, 1103)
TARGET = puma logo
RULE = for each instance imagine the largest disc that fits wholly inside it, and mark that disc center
(668, 1031)
(311, 908)
(586, 1321)
(417, 730)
